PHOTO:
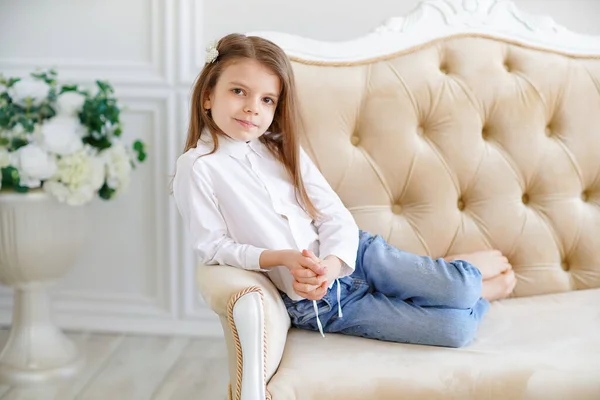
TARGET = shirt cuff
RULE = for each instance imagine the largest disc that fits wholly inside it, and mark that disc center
(253, 259)
(348, 263)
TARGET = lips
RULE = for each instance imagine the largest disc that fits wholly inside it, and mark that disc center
(245, 124)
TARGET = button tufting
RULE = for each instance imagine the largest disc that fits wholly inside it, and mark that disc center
(525, 198)
(585, 196)
(355, 140)
(548, 131)
(444, 69)
(506, 66)
(564, 265)
(420, 130)
(460, 204)
(485, 133)
(397, 209)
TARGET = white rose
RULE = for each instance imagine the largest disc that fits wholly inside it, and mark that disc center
(25, 89)
(57, 189)
(4, 158)
(65, 194)
(62, 135)
(70, 103)
(118, 166)
(34, 165)
(98, 173)
(75, 169)
(78, 178)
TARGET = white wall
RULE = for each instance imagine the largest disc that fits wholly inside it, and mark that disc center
(137, 273)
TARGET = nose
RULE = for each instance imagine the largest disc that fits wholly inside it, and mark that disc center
(251, 106)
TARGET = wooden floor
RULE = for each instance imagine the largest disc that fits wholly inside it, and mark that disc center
(128, 367)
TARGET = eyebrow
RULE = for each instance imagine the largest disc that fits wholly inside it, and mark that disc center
(246, 87)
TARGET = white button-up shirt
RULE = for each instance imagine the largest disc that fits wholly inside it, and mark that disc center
(240, 201)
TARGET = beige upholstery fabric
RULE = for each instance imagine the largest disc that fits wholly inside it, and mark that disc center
(535, 348)
(467, 144)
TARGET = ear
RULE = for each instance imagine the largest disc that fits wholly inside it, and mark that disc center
(207, 103)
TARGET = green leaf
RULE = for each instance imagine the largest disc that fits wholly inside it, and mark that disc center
(102, 143)
(118, 132)
(10, 176)
(46, 111)
(12, 81)
(4, 141)
(49, 77)
(68, 88)
(105, 192)
(28, 124)
(20, 189)
(104, 87)
(141, 156)
(138, 145)
(18, 143)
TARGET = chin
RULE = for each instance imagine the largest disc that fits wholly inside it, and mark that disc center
(244, 135)
(251, 135)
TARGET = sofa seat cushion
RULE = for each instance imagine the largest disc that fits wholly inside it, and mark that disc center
(545, 347)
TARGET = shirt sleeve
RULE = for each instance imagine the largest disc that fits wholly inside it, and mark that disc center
(337, 230)
(199, 209)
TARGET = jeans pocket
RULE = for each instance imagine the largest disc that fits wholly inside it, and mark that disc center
(303, 311)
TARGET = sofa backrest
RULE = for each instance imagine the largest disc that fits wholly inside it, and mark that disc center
(458, 129)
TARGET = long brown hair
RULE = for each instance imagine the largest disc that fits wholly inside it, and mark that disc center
(283, 138)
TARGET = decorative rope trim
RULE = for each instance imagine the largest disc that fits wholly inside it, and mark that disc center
(435, 41)
(238, 346)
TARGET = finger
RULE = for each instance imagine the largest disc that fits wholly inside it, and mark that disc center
(303, 287)
(310, 264)
(310, 295)
(310, 254)
(318, 293)
(316, 280)
(303, 273)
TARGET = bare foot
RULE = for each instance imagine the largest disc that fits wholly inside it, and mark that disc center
(499, 287)
(491, 263)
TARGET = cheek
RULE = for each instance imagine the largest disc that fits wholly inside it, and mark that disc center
(271, 110)
(269, 115)
(225, 104)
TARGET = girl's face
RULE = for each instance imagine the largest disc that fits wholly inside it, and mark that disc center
(244, 100)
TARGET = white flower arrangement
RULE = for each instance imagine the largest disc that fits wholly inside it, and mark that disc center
(63, 140)
(211, 52)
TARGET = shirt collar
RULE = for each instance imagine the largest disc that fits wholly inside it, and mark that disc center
(235, 148)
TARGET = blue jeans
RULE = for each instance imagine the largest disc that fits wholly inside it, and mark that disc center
(400, 297)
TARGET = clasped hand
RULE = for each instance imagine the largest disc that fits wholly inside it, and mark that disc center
(311, 275)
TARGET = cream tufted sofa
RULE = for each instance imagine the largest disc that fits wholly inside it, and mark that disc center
(462, 126)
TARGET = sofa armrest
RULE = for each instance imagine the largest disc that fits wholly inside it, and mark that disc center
(241, 297)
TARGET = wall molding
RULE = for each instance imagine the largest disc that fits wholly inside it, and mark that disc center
(191, 54)
(157, 70)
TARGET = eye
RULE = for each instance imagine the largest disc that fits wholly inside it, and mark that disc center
(238, 91)
(269, 100)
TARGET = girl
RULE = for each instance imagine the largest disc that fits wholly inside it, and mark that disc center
(251, 198)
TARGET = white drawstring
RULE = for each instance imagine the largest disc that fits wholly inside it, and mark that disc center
(318, 320)
(339, 294)
(340, 314)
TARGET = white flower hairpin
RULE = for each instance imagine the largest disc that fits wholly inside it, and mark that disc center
(211, 52)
